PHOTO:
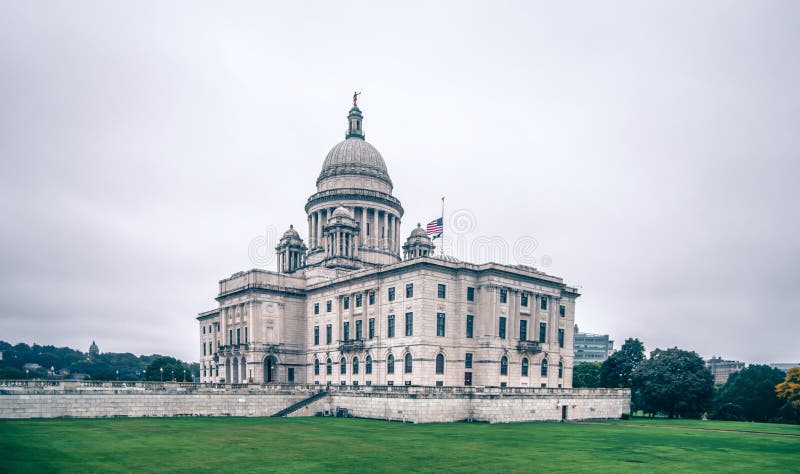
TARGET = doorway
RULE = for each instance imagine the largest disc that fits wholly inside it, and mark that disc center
(467, 379)
(270, 369)
(563, 413)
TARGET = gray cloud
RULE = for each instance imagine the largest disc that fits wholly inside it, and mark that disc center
(650, 149)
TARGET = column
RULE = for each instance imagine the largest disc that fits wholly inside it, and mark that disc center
(310, 234)
(385, 234)
(390, 232)
(374, 230)
(397, 236)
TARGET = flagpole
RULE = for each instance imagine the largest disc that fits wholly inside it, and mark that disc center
(441, 251)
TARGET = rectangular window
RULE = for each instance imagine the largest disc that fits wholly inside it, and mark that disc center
(441, 291)
(316, 335)
(440, 324)
(316, 308)
(470, 293)
(523, 300)
(562, 310)
(502, 327)
(204, 329)
(328, 334)
(470, 325)
(560, 338)
(359, 333)
(204, 349)
(542, 332)
(238, 336)
(409, 290)
(391, 294)
(371, 328)
(246, 335)
(409, 324)
(504, 296)
(468, 360)
(346, 302)
(523, 330)
(359, 300)
(390, 326)
(371, 298)
(329, 306)
(230, 337)
(346, 330)
(543, 302)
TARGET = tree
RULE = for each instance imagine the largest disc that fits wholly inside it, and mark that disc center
(789, 390)
(675, 382)
(750, 395)
(173, 368)
(617, 370)
(586, 375)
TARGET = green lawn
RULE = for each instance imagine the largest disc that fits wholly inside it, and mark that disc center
(351, 445)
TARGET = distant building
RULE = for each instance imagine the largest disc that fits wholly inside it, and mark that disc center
(592, 347)
(93, 350)
(722, 369)
(784, 366)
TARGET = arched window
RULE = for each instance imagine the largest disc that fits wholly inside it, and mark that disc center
(390, 364)
(343, 366)
(560, 369)
(544, 367)
(368, 365)
(408, 363)
(504, 365)
(440, 364)
(524, 366)
(329, 366)
(355, 365)
(316, 366)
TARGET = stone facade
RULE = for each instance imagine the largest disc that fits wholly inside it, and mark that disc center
(355, 307)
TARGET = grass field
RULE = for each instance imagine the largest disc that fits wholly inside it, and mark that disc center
(351, 445)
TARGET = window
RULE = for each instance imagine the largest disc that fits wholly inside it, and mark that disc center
(390, 326)
(542, 332)
(316, 366)
(246, 336)
(543, 302)
(441, 291)
(371, 328)
(560, 338)
(343, 366)
(409, 324)
(523, 330)
(346, 330)
(562, 310)
(211, 348)
(230, 336)
(524, 366)
(316, 335)
(504, 296)
(409, 290)
(238, 335)
(355, 365)
(368, 365)
(204, 349)
(204, 329)
(408, 364)
(316, 308)
(329, 366)
(523, 300)
(371, 298)
(439, 364)
(359, 332)
(329, 306)
(359, 300)
(470, 325)
(504, 365)
(468, 360)
(391, 294)
(502, 327)
(390, 364)
(470, 293)
(328, 334)
(367, 228)
(440, 324)
(544, 368)
(560, 369)
(346, 302)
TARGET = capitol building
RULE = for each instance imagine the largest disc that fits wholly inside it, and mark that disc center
(356, 304)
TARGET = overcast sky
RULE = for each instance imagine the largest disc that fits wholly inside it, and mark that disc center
(649, 149)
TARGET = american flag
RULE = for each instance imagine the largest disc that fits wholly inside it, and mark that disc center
(435, 228)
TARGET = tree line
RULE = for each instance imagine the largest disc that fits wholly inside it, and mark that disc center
(676, 383)
(22, 361)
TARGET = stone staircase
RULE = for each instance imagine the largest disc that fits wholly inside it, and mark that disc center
(302, 403)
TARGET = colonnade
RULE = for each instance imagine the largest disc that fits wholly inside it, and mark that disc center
(379, 229)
